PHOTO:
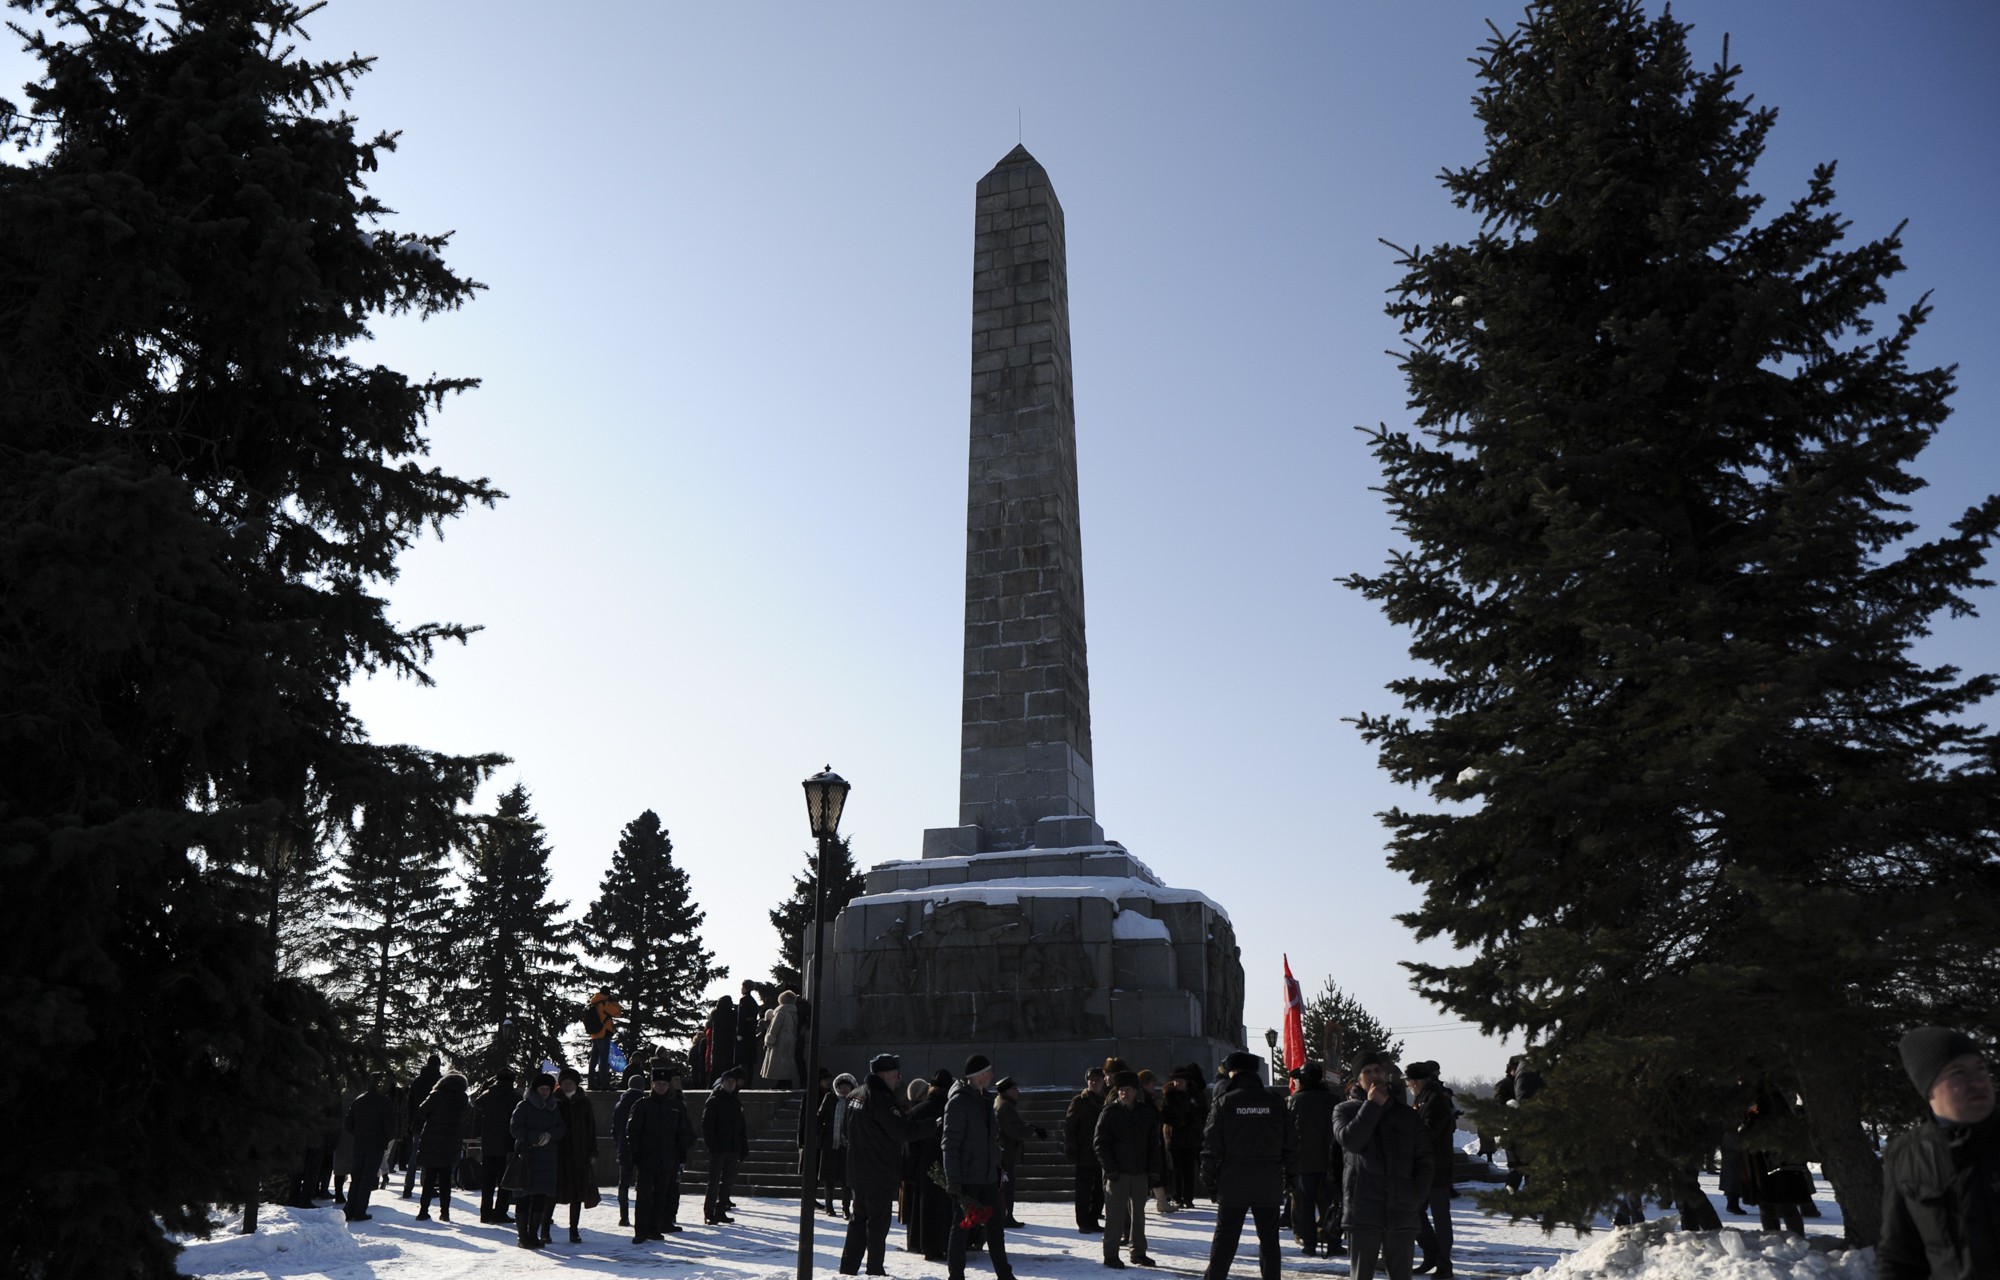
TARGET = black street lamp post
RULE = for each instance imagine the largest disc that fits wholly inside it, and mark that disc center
(826, 796)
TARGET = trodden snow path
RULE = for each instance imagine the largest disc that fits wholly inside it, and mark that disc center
(296, 1244)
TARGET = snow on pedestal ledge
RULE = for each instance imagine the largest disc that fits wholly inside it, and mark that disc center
(1130, 925)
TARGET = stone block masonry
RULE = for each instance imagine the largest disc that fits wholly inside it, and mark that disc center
(1025, 730)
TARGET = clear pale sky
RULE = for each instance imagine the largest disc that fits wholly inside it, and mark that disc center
(725, 353)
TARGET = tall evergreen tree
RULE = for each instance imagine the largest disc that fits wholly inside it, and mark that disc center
(514, 949)
(1705, 805)
(200, 495)
(645, 927)
(388, 957)
(1330, 1009)
(790, 917)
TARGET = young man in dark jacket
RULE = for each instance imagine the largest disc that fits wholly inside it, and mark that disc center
(878, 1132)
(1079, 1144)
(971, 1147)
(1247, 1157)
(1941, 1180)
(1388, 1171)
(1435, 1108)
(1312, 1128)
(660, 1135)
(1133, 1158)
(727, 1137)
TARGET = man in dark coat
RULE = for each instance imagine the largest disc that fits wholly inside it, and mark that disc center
(576, 1166)
(536, 1128)
(971, 1149)
(1133, 1158)
(1941, 1180)
(660, 1136)
(727, 1137)
(1436, 1109)
(1080, 1145)
(1388, 1172)
(878, 1132)
(433, 1071)
(1312, 1129)
(1247, 1159)
(371, 1122)
(494, 1109)
(749, 1033)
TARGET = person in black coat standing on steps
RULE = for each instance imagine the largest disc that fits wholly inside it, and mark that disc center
(749, 1033)
(660, 1135)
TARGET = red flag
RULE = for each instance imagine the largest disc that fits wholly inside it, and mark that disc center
(1295, 1023)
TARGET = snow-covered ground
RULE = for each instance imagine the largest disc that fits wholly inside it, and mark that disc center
(295, 1244)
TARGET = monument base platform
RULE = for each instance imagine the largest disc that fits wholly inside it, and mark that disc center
(1046, 960)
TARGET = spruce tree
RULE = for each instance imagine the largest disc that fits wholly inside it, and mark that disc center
(646, 929)
(201, 494)
(514, 951)
(1703, 807)
(1330, 1009)
(790, 917)
(388, 958)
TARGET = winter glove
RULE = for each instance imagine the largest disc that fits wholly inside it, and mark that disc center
(1041, 1132)
(541, 1139)
(953, 1189)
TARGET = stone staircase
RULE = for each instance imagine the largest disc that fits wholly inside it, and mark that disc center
(771, 1166)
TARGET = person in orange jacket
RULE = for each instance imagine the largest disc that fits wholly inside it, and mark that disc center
(600, 1020)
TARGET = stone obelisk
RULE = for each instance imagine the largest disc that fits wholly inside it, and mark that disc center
(1022, 933)
(1024, 747)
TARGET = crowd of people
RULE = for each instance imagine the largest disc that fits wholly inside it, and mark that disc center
(1367, 1162)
